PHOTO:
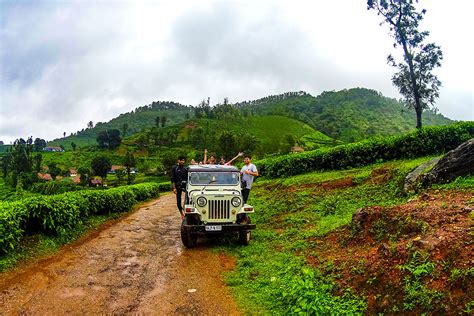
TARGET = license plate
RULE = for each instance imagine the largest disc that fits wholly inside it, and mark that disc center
(213, 228)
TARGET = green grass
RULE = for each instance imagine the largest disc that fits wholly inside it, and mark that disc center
(290, 214)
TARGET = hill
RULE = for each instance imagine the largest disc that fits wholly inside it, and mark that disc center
(136, 120)
(347, 115)
(261, 135)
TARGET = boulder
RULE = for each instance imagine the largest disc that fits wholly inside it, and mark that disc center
(414, 179)
(456, 163)
(359, 219)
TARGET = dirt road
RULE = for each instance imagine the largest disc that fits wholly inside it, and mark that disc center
(137, 265)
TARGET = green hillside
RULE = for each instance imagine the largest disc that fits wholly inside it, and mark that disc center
(137, 120)
(347, 115)
(260, 135)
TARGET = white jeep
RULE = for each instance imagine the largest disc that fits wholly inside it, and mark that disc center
(214, 204)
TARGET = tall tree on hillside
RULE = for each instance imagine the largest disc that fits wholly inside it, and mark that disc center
(124, 129)
(38, 159)
(73, 145)
(109, 139)
(157, 121)
(163, 121)
(100, 165)
(90, 124)
(39, 144)
(228, 144)
(129, 163)
(21, 161)
(414, 79)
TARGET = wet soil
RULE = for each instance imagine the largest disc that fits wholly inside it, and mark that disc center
(137, 265)
(367, 255)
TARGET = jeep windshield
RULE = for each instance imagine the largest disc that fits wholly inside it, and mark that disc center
(214, 178)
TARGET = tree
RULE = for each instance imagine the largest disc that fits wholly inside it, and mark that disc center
(73, 145)
(228, 143)
(54, 170)
(100, 165)
(84, 174)
(38, 159)
(21, 161)
(129, 163)
(109, 139)
(163, 121)
(157, 121)
(90, 124)
(39, 144)
(414, 79)
(291, 140)
(124, 129)
(64, 134)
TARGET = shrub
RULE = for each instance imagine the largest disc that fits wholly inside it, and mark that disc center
(423, 142)
(12, 216)
(57, 214)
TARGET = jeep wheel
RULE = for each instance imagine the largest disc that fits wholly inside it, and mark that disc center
(244, 237)
(189, 240)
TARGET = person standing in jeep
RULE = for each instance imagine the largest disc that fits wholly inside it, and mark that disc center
(249, 172)
(179, 173)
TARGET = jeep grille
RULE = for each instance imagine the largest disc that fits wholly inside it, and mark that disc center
(219, 209)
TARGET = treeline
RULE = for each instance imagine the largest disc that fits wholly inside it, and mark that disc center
(273, 98)
(422, 142)
(61, 213)
(348, 115)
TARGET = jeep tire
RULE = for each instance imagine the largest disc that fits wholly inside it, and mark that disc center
(244, 235)
(189, 240)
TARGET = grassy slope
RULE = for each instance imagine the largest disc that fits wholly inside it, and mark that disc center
(136, 121)
(269, 129)
(293, 217)
(348, 115)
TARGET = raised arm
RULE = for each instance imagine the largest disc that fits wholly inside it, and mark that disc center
(238, 155)
(205, 156)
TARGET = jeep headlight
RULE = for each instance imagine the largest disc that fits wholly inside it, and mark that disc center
(236, 201)
(201, 201)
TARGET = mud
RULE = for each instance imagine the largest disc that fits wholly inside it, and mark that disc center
(137, 265)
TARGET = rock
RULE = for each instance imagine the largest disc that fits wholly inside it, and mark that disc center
(414, 179)
(383, 250)
(429, 243)
(359, 218)
(456, 163)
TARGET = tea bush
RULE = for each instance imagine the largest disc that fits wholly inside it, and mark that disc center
(57, 214)
(423, 142)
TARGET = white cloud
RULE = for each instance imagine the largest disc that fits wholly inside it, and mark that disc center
(66, 63)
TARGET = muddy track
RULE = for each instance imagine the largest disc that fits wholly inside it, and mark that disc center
(137, 265)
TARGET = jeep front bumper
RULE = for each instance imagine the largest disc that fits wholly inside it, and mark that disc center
(218, 228)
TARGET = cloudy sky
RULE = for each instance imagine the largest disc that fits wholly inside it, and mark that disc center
(65, 63)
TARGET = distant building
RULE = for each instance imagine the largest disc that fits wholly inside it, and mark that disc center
(44, 176)
(115, 168)
(96, 182)
(297, 149)
(53, 149)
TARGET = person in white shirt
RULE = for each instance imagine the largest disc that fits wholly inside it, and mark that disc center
(249, 172)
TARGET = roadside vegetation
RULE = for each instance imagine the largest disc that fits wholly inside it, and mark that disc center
(309, 256)
(62, 215)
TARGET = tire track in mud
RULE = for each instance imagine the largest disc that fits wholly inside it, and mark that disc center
(137, 265)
